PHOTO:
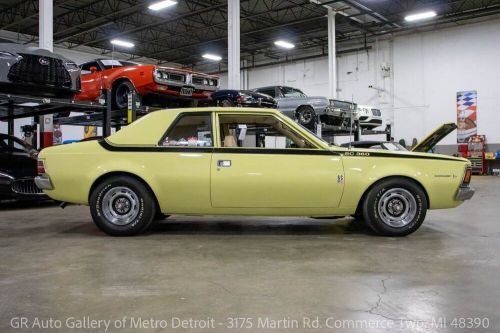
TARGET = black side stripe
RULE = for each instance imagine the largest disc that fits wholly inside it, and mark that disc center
(155, 149)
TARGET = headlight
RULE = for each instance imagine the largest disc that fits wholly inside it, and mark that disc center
(206, 82)
(157, 74)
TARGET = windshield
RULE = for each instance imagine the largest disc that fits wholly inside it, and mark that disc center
(315, 135)
(292, 92)
(108, 63)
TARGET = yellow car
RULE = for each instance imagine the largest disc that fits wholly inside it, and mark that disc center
(245, 161)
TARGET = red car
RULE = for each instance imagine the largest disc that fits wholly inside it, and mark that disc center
(155, 85)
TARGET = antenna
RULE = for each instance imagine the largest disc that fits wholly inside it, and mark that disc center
(351, 121)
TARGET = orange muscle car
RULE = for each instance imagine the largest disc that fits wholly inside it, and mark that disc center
(155, 85)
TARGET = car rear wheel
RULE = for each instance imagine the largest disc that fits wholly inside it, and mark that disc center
(226, 103)
(306, 116)
(395, 207)
(122, 206)
(120, 94)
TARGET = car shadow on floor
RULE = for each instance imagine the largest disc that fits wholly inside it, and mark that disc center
(8, 205)
(305, 226)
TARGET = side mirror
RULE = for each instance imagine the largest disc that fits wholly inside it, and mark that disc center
(93, 69)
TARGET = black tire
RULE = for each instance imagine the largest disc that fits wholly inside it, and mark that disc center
(226, 103)
(306, 117)
(120, 94)
(395, 207)
(137, 215)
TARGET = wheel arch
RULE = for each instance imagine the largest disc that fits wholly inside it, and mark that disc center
(362, 199)
(102, 177)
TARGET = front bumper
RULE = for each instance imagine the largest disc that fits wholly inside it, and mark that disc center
(43, 183)
(464, 193)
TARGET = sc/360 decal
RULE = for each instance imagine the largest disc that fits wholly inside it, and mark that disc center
(356, 153)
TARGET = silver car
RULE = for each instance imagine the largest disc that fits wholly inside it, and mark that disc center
(297, 105)
(32, 71)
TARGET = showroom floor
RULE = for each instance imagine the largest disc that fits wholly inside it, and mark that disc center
(54, 263)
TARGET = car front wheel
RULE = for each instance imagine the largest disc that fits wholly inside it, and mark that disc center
(122, 206)
(306, 117)
(395, 207)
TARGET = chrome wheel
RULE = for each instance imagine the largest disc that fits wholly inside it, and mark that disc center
(120, 205)
(305, 116)
(397, 207)
(226, 103)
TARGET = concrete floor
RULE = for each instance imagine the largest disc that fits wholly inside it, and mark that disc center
(56, 264)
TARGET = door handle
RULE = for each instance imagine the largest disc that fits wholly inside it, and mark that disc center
(223, 163)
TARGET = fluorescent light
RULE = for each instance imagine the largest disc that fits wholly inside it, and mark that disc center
(284, 44)
(123, 43)
(420, 16)
(162, 4)
(213, 57)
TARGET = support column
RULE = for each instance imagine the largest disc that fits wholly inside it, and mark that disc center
(45, 24)
(233, 44)
(332, 59)
(45, 41)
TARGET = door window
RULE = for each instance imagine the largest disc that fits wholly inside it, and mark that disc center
(259, 131)
(189, 130)
(85, 68)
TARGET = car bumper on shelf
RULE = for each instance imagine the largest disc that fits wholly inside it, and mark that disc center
(43, 183)
(464, 193)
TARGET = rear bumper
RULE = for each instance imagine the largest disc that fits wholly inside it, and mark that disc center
(43, 183)
(464, 193)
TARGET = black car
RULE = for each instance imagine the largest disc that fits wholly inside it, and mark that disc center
(228, 97)
(18, 168)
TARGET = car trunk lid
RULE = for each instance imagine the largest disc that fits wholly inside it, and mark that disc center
(433, 139)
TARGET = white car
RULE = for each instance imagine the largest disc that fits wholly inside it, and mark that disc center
(369, 116)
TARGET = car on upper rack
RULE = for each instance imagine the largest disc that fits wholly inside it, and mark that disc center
(307, 109)
(32, 71)
(369, 116)
(245, 161)
(246, 98)
(18, 169)
(155, 85)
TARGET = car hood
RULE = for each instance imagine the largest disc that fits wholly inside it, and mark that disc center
(433, 139)
(258, 95)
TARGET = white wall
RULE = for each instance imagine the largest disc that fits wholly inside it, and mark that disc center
(427, 70)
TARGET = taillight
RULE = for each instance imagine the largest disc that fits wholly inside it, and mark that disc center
(40, 167)
(467, 177)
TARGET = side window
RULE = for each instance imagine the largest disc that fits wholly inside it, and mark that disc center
(259, 131)
(270, 92)
(86, 67)
(190, 130)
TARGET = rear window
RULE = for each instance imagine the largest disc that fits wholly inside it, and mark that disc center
(109, 63)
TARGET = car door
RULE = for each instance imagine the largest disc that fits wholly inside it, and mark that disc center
(264, 162)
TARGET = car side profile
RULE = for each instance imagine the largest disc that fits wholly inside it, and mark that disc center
(245, 161)
(153, 84)
(297, 105)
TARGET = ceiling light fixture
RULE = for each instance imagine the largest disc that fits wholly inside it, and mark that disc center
(420, 16)
(284, 44)
(162, 4)
(123, 43)
(213, 57)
